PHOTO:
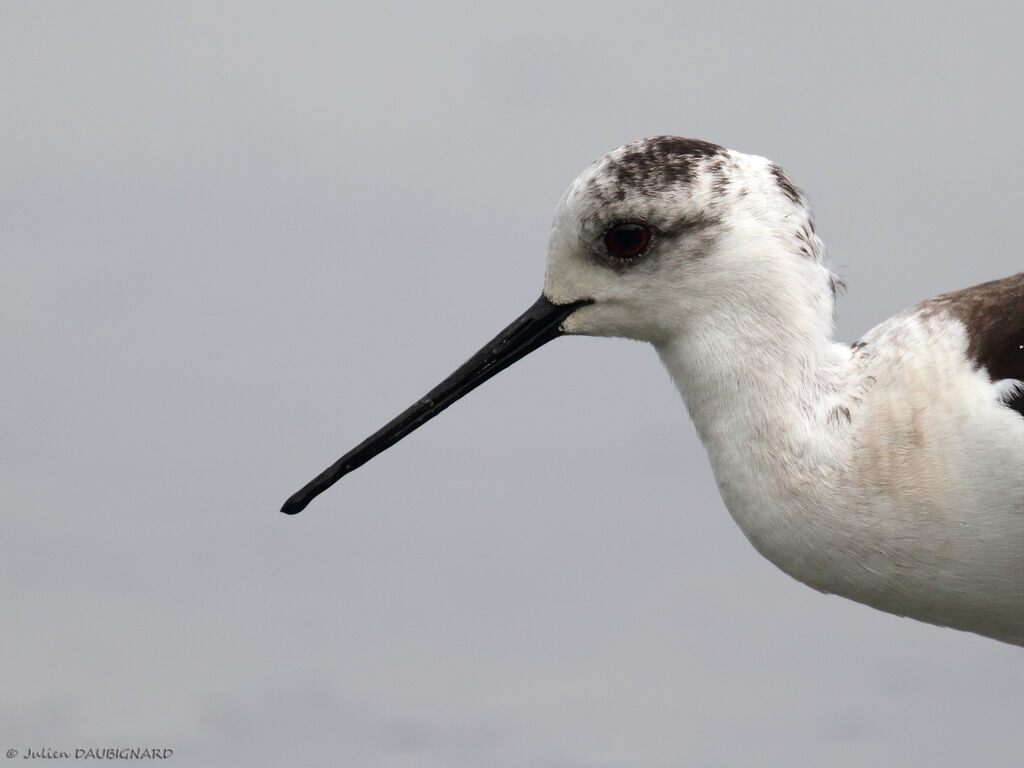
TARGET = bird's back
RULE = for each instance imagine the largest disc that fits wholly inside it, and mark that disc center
(935, 486)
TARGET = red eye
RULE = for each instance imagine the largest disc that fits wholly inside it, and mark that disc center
(627, 240)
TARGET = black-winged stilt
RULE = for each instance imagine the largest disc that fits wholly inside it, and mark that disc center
(889, 471)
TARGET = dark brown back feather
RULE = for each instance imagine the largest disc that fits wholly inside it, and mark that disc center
(994, 315)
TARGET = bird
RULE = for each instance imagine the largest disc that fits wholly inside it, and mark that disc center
(889, 471)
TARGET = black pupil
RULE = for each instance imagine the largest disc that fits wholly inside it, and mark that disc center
(627, 240)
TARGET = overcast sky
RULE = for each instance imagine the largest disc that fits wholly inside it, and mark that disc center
(239, 237)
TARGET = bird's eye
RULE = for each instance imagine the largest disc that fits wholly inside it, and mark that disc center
(627, 240)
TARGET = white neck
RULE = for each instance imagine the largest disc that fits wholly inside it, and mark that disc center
(763, 383)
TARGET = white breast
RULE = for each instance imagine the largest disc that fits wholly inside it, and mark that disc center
(892, 475)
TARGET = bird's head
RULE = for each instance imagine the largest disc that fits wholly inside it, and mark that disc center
(648, 238)
(658, 231)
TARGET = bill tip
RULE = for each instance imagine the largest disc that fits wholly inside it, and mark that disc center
(293, 506)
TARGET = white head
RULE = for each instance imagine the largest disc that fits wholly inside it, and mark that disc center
(658, 241)
(666, 231)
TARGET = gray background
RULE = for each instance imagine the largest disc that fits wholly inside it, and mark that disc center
(238, 237)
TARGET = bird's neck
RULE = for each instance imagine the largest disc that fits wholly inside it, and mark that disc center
(761, 364)
(763, 383)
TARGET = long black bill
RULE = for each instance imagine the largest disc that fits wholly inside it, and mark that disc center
(535, 327)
